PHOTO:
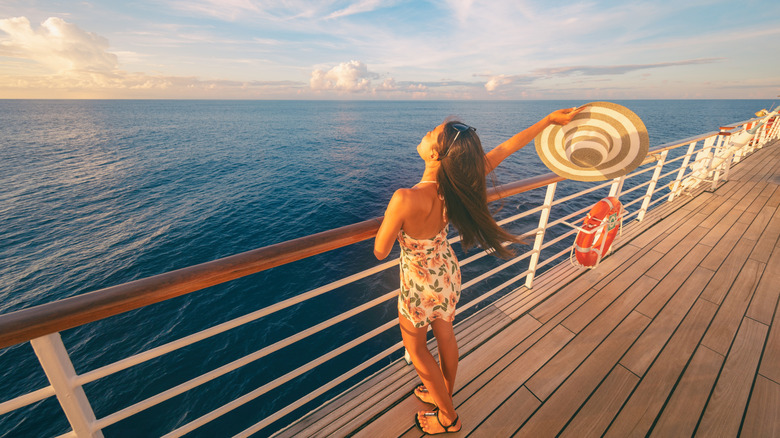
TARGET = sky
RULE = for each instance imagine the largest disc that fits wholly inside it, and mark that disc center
(390, 50)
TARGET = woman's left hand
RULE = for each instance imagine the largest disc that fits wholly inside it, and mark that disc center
(564, 116)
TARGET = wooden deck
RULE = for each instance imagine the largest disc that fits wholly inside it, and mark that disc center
(676, 334)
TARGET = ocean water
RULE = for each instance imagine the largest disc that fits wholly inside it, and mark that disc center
(99, 193)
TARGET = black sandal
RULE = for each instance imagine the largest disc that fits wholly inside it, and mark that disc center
(435, 413)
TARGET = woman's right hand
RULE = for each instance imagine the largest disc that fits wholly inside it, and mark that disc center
(564, 116)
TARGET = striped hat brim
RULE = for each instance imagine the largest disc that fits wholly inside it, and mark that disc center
(604, 141)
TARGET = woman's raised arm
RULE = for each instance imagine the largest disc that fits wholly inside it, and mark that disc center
(522, 138)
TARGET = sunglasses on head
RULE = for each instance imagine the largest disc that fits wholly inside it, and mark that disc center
(460, 127)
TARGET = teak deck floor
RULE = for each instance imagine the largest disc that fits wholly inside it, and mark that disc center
(675, 334)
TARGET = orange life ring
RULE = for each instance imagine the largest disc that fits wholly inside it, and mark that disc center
(592, 244)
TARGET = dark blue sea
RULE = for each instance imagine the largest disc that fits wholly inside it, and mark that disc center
(99, 193)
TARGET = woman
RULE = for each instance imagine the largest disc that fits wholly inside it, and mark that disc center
(452, 189)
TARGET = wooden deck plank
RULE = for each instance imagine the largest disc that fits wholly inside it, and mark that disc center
(469, 368)
(553, 305)
(759, 223)
(748, 198)
(640, 411)
(725, 192)
(586, 280)
(710, 220)
(774, 200)
(475, 338)
(768, 239)
(363, 402)
(724, 326)
(697, 202)
(727, 189)
(511, 348)
(607, 296)
(644, 351)
(482, 404)
(717, 232)
(655, 216)
(672, 281)
(747, 217)
(770, 361)
(682, 232)
(743, 193)
(598, 412)
(726, 407)
(728, 271)
(762, 199)
(547, 379)
(679, 255)
(665, 226)
(525, 299)
(764, 405)
(764, 303)
(517, 408)
(685, 407)
(631, 262)
(553, 415)
(725, 246)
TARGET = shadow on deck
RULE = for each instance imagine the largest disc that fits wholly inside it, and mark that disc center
(675, 334)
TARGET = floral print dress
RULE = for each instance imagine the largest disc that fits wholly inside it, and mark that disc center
(430, 279)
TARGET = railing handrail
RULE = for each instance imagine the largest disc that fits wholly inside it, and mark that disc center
(26, 324)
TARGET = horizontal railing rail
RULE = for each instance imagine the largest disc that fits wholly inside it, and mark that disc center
(41, 324)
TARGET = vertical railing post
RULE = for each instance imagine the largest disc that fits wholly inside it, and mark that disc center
(752, 143)
(544, 217)
(677, 182)
(59, 369)
(651, 187)
(720, 161)
(738, 154)
(763, 135)
(721, 136)
(775, 131)
(709, 142)
(759, 137)
(728, 162)
(708, 146)
(770, 133)
(617, 186)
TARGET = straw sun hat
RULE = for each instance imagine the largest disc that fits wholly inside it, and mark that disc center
(604, 141)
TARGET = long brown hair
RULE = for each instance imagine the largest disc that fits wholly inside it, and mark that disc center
(462, 182)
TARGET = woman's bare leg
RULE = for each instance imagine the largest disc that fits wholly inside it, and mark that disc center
(430, 373)
(448, 351)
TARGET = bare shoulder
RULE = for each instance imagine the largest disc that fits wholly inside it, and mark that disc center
(409, 200)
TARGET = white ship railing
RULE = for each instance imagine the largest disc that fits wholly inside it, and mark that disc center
(669, 178)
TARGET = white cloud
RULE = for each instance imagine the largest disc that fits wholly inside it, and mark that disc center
(359, 7)
(78, 63)
(496, 81)
(595, 70)
(388, 85)
(352, 76)
(57, 44)
(278, 10)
